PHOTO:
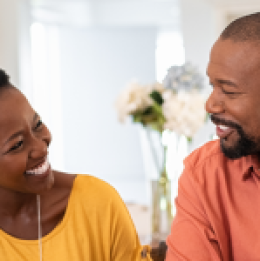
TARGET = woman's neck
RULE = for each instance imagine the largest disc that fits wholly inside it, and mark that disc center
(13, 203)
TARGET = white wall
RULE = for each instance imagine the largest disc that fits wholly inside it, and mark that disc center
(10, 28)
(95, 65)
(24, 47)
(15, 57)
(200, 30)
(201, 24)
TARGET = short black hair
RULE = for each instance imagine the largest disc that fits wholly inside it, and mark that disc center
(4, 79)
(245, 28)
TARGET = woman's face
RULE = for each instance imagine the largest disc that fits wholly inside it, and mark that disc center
(24, 142)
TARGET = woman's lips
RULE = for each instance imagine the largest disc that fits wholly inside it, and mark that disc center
(39, 170)
(223, 131)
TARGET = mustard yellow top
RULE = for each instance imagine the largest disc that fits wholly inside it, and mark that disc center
(96, 227)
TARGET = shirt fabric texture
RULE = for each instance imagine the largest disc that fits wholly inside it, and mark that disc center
(96, 227)
(218, 208)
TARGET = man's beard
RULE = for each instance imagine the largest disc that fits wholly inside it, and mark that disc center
(245, 145)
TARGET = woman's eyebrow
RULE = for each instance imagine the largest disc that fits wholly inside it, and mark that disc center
(13, 136)
(35, 116)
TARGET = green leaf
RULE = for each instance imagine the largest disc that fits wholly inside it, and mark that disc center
(137, 118)
(148, 111)
(157, 97)
(189, 139)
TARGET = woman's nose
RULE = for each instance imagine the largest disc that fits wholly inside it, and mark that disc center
(39, 149)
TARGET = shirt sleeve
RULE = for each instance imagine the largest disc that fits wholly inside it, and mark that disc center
(125, 244)
(192, 237)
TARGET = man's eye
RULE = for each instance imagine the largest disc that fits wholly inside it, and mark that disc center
(38, 125)
(16, 146)
(229, 93)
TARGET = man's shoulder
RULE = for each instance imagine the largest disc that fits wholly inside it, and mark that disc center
(209, 152)
(206, 164)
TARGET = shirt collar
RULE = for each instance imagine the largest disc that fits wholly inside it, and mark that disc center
(250, 165)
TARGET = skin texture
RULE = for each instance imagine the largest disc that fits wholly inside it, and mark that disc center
(234, 73)
(25, 150)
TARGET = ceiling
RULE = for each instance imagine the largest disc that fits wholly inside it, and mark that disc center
(215, 2)
(239, 7)
(233, 2)
(108, 12)
(120, 12)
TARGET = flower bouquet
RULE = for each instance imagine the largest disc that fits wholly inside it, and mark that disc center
(176, 105)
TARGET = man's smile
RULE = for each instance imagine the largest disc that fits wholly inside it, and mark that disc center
(223, 131)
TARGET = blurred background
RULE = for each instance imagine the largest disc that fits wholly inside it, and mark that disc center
(71, 58)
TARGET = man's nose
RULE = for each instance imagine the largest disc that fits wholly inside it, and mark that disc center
(215, 103)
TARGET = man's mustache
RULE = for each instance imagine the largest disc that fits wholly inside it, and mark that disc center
(219, 121)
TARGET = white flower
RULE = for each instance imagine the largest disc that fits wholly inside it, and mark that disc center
(177, 105)
(156, 87)
(134, 98)
(184, 112)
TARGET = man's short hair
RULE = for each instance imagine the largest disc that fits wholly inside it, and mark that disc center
(246, 28)
(4, 79)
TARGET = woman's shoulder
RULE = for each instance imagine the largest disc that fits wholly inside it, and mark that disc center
(87, 190)
(86, 180)
(84, 184)
(90, 185)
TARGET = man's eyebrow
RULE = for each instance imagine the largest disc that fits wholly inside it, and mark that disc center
(226, 82)
(222, 81)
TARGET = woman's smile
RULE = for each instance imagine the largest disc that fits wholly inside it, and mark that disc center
(41, 169)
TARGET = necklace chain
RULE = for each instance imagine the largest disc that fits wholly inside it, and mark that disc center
(39, 226)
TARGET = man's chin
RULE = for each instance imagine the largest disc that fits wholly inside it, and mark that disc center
(230, 152)
(240, 148)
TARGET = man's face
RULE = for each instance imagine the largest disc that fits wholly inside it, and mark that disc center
(234, 104)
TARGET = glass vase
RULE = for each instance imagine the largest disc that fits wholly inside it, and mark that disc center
(161, 206)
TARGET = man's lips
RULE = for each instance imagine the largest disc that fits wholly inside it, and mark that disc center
(224, 127)
(223, 131)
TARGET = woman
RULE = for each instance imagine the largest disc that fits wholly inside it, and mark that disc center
(49, 215)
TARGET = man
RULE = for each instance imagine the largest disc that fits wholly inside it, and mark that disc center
(218, 203)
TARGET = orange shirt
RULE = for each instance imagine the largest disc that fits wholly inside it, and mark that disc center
(218, 208)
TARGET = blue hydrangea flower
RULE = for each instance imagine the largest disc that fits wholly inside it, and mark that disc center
(185, 77)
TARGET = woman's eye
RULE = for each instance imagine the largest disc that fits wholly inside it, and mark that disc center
(16, 146)
(38, 125)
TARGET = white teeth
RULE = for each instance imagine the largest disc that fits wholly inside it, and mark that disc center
(222, 127)
(40, 170)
